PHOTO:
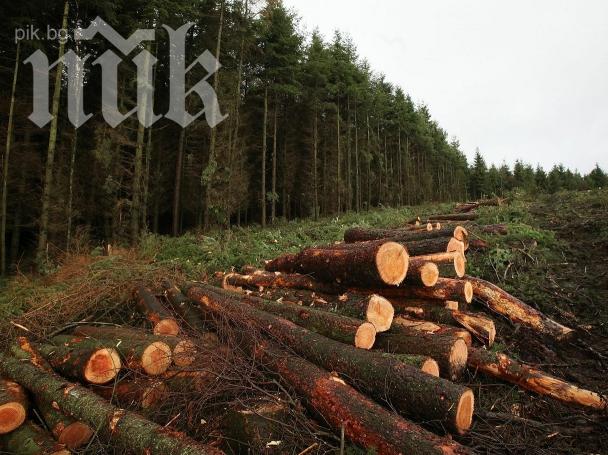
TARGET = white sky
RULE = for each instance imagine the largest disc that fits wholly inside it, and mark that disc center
(518, 79)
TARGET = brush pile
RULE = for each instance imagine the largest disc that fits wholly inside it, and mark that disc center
(373, 334)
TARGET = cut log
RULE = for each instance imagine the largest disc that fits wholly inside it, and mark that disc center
(153, 358)
(421, 362)
(468, 206)
(447, 345)
(67, 431)
(145, 393)
(451, 217)
(373, 308)
(500, 366)
(183, 350)
(516, 311)
(13, 405)
(409, 390)
(409, 306)
(422, 272)
(496, 229)
(480, 326)
(84, 360)
(372, 264)
(455, 258)
(259, 279)
(30, 439)
(403, 235)
(162, 321)
(183, 307)
(478, 244)
(444, 289)
(126, 429)
(436, 245)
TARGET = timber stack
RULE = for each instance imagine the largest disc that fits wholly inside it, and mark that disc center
(373, 333)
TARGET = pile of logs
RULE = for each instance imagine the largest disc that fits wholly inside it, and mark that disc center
(373, 333)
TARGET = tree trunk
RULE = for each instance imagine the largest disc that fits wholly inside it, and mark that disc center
(67, 431)
(417, 394)
(403, 235)
(183, 350)
(444, 289)
(517, 311)
(184, 308)
(372, 308)
(500, 366)
(422, 272)
(339, 158)
(273, 202)
(264, 133)
(178, 183)
(263, 279)
(209, 170)
(85, 360)
(357, 168)
(6, 163)
(479, 325)
(151, 358)
(164, 323)
(315, 182)
(455, 258)
(127, 429)
(145, 393)
(13, 405)
(33, 440)
(362, 265)
(47, 189)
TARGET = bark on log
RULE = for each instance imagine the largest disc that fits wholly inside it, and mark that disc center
(448, 346)
(412, 392)
(84, 360)
(13, 405)
(402, 305)
(517, 311)
(444, 289)
(451, 217)
(183, 350)
(67, 431)
(163, 322)
(373, 308)
(127, 429)
(500, 366)
(30, 439)
(478, 244)
(454, 258)
(480, 326)
(183, 307)
(376, 264)
(145, 393)
(153, 358)
(403, 235)
(262, 279)
(436, 245)
(422, 272)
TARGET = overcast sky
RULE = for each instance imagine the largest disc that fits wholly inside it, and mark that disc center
(518, 79)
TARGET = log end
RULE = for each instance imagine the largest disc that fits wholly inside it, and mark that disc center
(464, 411)
(459, 354)
(392, 262)
(365, 336)
(429, 226)
(468, 292)
(166, 327)
(455, 245)
(429, 274)
(156, 358)
(460, 265)
(437, 225)
(12, 416)
(461, 234)
(430, 366)
(103, 366)
(184, 353)
(76, 435)
(451, 304)
(380, 313)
